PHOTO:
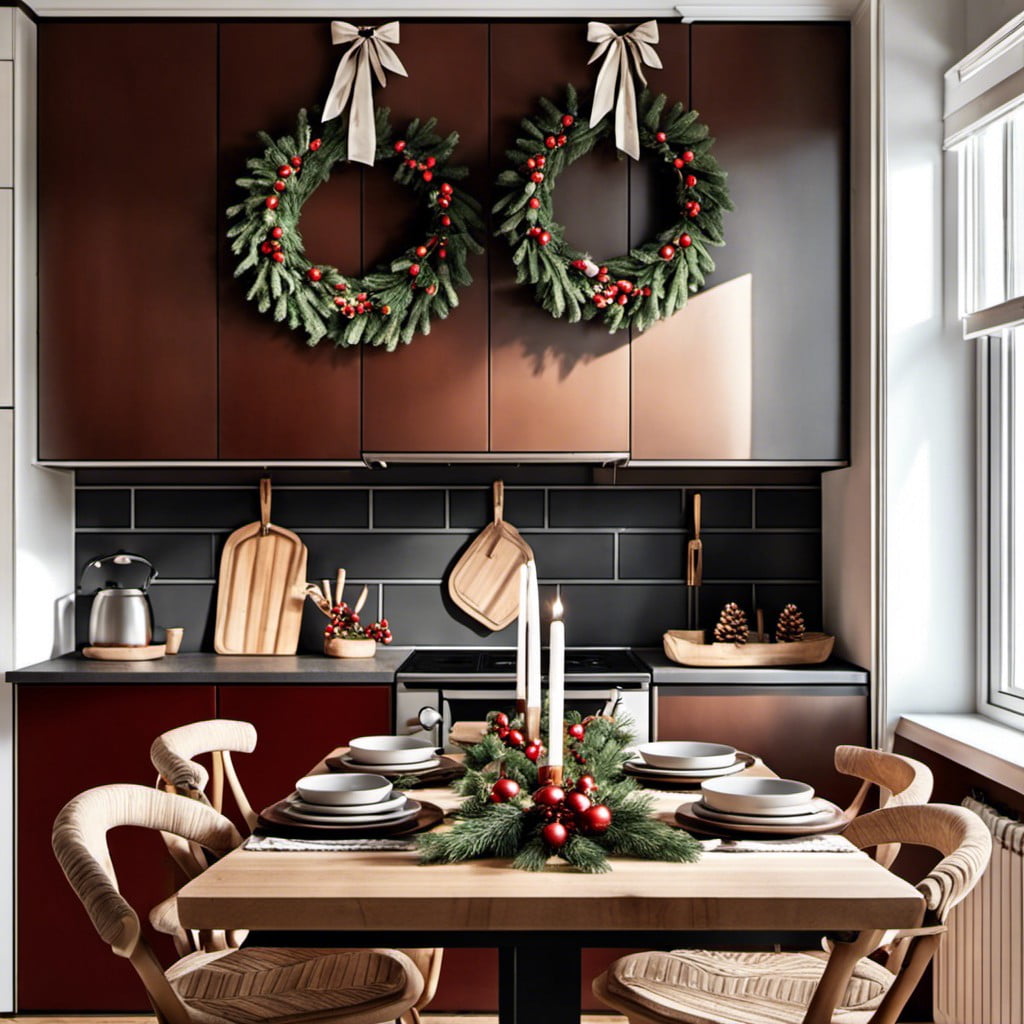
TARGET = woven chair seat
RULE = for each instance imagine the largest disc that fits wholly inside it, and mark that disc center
(259, 986)
(709, 986)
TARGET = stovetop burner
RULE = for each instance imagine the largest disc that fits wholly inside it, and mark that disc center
(501, 664)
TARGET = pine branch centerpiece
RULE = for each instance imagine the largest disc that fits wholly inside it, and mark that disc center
(512, 811)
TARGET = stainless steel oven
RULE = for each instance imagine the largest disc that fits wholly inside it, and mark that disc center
(464, 685)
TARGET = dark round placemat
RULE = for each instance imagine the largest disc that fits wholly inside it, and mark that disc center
(686, 818)
(447, 770)
(274, 821)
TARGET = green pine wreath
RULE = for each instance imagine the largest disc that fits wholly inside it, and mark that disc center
(395, 301)
(653, 280)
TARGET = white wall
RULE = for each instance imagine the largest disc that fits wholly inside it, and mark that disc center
(927, 380)
(983, 17)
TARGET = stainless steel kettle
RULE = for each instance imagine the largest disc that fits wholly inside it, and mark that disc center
(120, 615)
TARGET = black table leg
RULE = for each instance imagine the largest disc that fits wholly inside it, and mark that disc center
(539, 982)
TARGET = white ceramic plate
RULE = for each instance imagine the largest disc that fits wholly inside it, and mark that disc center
(642, 767)
(754, 795)
(687, 756)
(390, 750)
(385, 807)
(418, 766)
(341, 788)
(409, 810)
(821, 812)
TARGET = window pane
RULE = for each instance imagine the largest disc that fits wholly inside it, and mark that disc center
(990, 231)
(1012, 519)
(1015, 223)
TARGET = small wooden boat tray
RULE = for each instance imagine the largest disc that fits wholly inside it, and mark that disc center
(813, 649)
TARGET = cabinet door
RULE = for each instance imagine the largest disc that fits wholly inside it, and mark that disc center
(71, 738)
(280, 399)
(794, 732)
(298, 725)
(555, 386)
(431, 395)
(127, 254)
(776, 98)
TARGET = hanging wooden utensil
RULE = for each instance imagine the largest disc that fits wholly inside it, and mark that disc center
(261, 588)
(694, 569)
(485, 580)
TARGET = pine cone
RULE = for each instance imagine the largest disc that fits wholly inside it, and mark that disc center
(790, 626)
(732, 625)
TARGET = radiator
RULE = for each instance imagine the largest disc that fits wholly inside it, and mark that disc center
(979, 968)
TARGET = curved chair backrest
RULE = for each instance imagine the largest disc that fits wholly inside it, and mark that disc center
(965, 843)
(80, 843)
(173, 751)
(900, 780)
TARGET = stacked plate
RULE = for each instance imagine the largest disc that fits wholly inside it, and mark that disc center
(347, 802)
(768, 806)
(390, 755)
(679, 762)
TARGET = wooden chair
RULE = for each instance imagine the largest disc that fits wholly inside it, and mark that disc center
(842, 986)
(172, 754)
(231, 986)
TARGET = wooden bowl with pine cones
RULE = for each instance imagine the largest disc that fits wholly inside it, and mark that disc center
(733, 647)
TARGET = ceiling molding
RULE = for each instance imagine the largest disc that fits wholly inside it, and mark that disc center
(619, 10)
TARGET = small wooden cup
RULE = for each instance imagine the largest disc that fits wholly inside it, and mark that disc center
(175, 634)
(340, 647)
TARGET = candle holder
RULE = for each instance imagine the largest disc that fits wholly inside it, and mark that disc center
(550, 774)
(532, 723)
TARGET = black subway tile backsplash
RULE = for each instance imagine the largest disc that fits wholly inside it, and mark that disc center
(617, 551)
(475, 508)
(408, 508)
(110, 510)
(611, 508)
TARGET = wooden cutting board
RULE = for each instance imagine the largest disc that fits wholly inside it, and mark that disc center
(485, 580)
(261, 587)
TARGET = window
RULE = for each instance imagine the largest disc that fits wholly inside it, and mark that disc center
(985, 127)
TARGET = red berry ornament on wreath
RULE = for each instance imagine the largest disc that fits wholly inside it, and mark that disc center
(307, 295)
(652, 280)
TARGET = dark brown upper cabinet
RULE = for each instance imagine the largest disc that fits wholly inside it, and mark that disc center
(279, 398)
(555, 386)
(127, 250)
(431, 395)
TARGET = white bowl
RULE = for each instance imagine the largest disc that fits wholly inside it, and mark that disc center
(390, 750)
(339, 789)
(685, 756)
(755, 796)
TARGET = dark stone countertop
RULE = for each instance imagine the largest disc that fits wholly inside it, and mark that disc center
(218, 669)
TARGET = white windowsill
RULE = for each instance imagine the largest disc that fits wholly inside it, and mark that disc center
(978, 743)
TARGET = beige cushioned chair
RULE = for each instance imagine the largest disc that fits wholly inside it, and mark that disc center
(232, 986)
(668, 988)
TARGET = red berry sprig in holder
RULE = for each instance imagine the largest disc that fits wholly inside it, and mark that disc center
(344, 622)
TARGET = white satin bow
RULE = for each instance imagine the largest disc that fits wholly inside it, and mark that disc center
(370, 49)
(618, 51)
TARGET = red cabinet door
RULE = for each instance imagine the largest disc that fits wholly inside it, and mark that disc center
(71, 738)
(127, 248)
(296, 726)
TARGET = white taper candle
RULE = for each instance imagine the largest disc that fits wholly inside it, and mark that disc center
(556, 686)
(533, 697)
(524, 590)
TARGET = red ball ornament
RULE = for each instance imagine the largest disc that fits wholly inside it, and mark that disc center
(549, 796)
(551, 142)
(530, 163)
(284, 171)
(694, 209)
(446, 221)
(541, 159)
(431, 161)
(315, 144)
(586, 784)
(277, 232)
(597, 818)
(414, 270)
(577, 802)
(691, 180)
(533, 750)
(296, 162)
(444, 202)
(576, 731)
(544, 238)
(685, 241)
(515, 738)
(562, 140)
(534, 203)
(678, 163)
(666, 252)
(428, 175)
(341, 286)
(568, 120)
(278, 257)
(502, 732)
(504, 790)
(555, 834)
(271, 202)
(279, 186)
(314, 274)
(266, 248)
(445, 189)
(661, 136)
(421, 251)
(688, 157)
(398, 147)
(500, 719)
(442, 254)
(537, 177)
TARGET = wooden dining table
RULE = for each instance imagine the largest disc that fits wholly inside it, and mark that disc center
(540, 921)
